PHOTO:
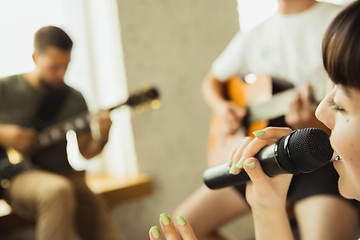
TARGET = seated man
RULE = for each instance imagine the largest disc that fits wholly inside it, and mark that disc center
(285, 46)
(49, 191)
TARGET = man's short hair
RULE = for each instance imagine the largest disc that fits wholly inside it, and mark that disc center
(51, 36)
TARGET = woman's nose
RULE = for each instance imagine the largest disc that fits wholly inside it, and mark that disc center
(324, 112)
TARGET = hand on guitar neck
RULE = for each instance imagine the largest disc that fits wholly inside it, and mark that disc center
(301, 112)
(91, 144)
(16, 137)
(104, 123)
(231, 116)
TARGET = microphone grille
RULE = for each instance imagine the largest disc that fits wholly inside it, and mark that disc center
(308, 150)
(283, 159)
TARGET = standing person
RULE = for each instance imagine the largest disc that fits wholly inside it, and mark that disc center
(285, 46)
(52, 193)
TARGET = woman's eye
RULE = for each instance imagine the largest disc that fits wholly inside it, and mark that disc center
(339, 109)
(335, 106)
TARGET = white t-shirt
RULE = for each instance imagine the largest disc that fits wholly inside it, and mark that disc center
(283, 46)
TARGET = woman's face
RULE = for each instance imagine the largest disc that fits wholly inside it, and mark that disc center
(340, 111)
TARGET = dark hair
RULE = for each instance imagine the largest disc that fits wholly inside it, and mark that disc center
(341, 47)
(51, 36)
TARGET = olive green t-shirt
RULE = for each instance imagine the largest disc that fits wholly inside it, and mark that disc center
(19, 103)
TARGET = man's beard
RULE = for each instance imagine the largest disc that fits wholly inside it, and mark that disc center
(50, 88)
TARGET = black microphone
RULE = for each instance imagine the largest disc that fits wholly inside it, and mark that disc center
(301, 151)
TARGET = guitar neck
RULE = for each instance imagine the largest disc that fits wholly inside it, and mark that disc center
(117, 106)
(56, 133)
(278, 106)
(81, 122)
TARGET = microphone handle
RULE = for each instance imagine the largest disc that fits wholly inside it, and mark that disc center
(219, 176)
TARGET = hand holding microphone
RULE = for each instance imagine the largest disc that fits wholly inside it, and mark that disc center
(277, 151)
(300, 151)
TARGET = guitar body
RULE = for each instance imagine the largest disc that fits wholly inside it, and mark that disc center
(220, 143)
(11, 163)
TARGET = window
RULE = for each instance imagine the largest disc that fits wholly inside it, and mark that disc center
(19, 20)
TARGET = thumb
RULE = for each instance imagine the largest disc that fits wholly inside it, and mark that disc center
(238, 111)
(306, 95)
(257, 176)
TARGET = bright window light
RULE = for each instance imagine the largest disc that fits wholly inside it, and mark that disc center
(19, 20)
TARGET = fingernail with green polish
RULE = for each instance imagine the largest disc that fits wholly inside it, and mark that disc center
(229, 163)
(233, 169)
(250, 165)
(258, 133)
(155, 232)
(181, 220)
(240, 163)
(165, 219)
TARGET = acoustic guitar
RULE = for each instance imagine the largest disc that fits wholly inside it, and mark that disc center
(13, 162)
(266, 100)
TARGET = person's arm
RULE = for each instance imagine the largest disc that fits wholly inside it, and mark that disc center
(16, 137)
(213, 92)
(229, 113)
(229, 63)
(13, 136)
(90, 147)
(272, 226)
(266, 195)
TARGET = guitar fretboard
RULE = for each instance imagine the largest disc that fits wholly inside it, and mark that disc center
(81, 122)
(277, 106)
(57, 133)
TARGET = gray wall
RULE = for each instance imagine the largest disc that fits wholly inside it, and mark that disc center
(171, 44)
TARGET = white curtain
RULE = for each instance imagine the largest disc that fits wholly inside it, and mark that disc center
(97, 70)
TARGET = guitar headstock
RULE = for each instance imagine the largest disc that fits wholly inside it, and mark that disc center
(148, 95)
